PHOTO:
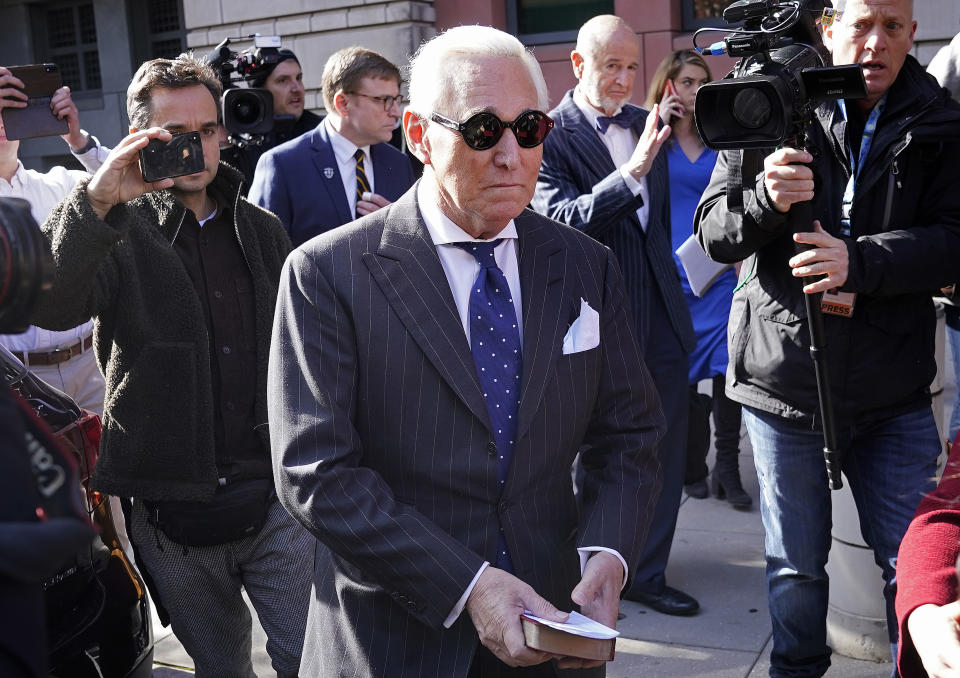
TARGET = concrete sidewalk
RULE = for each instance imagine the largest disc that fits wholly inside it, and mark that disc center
(718, 558)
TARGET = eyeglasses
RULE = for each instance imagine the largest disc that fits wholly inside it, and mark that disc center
(387, 101)
(483, 130)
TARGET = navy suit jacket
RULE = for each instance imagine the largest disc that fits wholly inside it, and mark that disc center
(580, 186)
(300, 182)
(383, 446)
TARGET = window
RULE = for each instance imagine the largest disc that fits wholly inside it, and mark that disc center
(700, 13)
(157, 27)
(545, 21)
(65, 33)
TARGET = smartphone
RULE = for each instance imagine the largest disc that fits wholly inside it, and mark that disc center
(668, 89)
(182, 155)
(40, 81)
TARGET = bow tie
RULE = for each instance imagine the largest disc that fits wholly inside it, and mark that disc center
(625, 118)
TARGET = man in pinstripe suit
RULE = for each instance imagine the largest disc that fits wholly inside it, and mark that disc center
(612, 185)
(430, 542)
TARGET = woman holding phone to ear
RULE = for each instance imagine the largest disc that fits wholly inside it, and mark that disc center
(674, 87)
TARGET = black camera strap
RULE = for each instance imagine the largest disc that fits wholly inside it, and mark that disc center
(735, 181)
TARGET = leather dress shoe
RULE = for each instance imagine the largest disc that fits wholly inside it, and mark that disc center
(668, 601)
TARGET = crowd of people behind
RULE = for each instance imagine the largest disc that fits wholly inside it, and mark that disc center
(483, 386)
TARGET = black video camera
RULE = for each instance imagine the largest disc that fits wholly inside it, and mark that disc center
(247, 111)
(783, 73)
(26, 267)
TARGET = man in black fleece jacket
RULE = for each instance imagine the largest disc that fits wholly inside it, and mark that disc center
(180, 276)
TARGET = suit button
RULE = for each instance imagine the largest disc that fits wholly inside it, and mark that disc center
(492, 449)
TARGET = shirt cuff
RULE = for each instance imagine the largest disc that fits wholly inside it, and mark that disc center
(587, 551)
(638, 188)
(458, 608)
(93, 154)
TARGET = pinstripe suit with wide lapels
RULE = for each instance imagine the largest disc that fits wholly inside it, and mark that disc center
(383, 448)
(580, 186)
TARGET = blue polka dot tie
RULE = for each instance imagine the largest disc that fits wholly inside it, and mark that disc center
(495, 344)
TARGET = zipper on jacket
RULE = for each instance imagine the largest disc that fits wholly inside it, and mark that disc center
(894, 181)
(179, 226)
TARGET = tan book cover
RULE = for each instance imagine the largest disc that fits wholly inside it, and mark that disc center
(568, 639)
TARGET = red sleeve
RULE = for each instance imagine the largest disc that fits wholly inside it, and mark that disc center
(926, 564)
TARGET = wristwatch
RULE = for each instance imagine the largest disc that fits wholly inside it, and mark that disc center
(92, 142)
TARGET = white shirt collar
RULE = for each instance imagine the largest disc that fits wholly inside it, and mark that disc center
(588, 111)
(442, 229)
(343, 148)
(16, 180)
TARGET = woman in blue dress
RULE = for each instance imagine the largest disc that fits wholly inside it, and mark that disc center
(674, 87)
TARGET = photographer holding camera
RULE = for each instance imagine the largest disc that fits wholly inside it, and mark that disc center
(180, 276)
(880, 173)
(283, 78)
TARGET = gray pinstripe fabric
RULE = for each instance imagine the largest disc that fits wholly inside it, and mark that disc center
(580, 186)
(382, 445)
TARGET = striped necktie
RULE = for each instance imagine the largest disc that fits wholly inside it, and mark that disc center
(363, 186)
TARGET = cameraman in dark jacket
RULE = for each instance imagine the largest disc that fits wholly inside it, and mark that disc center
(181, 279)
(887, 161)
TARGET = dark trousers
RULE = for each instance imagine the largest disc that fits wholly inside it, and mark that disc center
(669, 366)
(726, 424)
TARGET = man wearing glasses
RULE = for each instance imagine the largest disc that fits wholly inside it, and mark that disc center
(436, 367)
(603, 174)
(344, 168)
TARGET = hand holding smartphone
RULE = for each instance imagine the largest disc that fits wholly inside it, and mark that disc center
(180, 156)
(40, 82)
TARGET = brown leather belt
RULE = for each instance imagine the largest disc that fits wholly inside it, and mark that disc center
(57, 355)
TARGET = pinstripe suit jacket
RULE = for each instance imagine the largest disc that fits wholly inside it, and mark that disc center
(383, 449)
(580, 186)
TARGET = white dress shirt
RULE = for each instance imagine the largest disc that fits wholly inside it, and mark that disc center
(43, 192)
(620, 142)
(461, 269)
(344, 149)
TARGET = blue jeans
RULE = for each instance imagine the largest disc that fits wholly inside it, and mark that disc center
(952, 317)
(889, 465)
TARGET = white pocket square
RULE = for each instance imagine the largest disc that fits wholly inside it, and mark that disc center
(584, 333)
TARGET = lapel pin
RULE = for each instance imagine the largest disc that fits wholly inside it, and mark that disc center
(328, 172)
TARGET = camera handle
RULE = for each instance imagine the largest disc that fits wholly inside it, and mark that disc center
(800, 218)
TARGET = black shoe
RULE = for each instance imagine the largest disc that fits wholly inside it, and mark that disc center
(697, 489)
(732, 490)
(668, 601)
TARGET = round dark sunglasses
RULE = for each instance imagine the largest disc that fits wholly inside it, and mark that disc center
(483, 130)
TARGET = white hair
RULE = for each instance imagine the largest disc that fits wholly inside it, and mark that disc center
(433, 69)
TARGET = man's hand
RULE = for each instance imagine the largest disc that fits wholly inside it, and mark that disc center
(495, 606)
(119, 180)
(598, 595)
(828, 257)
(371, 203)
(648, 146)
(11, 90)
(63, 107)
(785, 181)
(936, 637)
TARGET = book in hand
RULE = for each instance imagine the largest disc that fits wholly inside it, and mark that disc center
(701, 270)
(579, 636)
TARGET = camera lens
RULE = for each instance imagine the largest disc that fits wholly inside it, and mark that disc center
(25, 265)
(247, 110)
(751, 108)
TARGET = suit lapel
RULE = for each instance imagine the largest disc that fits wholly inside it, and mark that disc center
(329, 172)
(588, 144)
(542, 263)
(408, 271)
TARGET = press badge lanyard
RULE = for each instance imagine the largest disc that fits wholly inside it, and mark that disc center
(835, 302)
(869, 129)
